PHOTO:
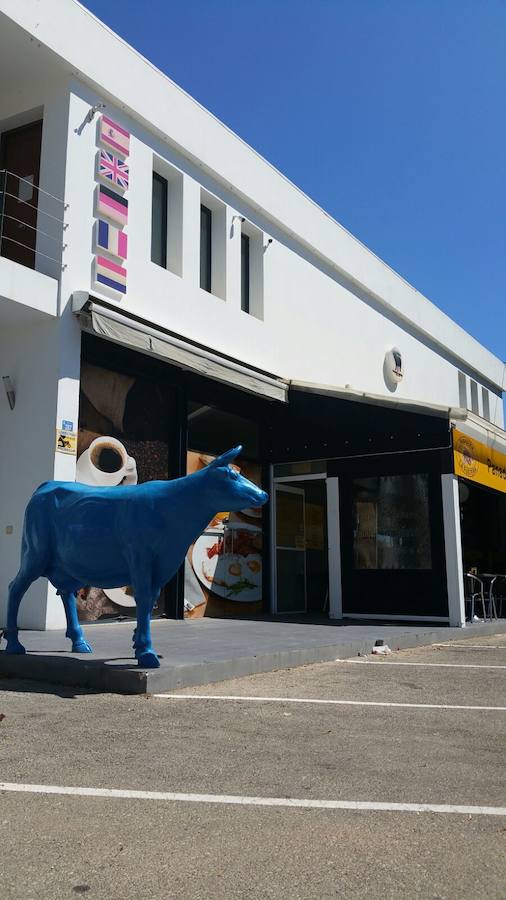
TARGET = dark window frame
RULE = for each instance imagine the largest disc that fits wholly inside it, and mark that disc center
(206, 232)
(160, 259)
(245, 272)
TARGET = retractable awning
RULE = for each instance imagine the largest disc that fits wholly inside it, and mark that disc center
(400, 403)
(128, 331)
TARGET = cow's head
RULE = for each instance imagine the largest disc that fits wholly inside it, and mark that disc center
(227, 489)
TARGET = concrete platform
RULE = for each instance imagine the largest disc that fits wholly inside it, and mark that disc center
(203, 651)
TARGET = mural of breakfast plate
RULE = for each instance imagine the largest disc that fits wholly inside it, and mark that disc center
(253, 513)
(120, 596)
(230, 565)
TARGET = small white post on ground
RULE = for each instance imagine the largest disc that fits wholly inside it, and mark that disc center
(453, 550)
(334, 550)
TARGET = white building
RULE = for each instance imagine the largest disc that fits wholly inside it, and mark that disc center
(249, 315)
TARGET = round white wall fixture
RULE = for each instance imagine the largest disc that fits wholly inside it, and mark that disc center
(393, 368)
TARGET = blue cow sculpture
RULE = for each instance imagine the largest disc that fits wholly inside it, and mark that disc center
(77, 535)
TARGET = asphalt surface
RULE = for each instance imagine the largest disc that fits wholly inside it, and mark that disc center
(56, 846)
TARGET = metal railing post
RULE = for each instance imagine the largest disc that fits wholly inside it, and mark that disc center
(3, 176)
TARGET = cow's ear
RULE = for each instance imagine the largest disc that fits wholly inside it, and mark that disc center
(226, 458)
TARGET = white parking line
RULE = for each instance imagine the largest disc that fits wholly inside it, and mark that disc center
(233, 800)
(387, 662)
(315, 701)
(453, 646)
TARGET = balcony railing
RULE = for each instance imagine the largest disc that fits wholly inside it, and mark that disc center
(32, 224)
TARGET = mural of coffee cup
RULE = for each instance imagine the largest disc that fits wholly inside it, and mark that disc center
(106, 463)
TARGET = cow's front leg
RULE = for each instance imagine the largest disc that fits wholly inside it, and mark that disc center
(74, 630)
(144, 651)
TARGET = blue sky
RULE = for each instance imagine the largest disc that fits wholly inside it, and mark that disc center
(391, 114)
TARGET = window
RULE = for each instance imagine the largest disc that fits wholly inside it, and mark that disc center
(462, 391)
(159, 220)
(245, 273)
(486, 403)
(474, 397)
(252, 270)
(206, 222)
(391, 528)
(218, 430)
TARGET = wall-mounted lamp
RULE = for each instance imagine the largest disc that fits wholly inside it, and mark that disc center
(90, 115)
(267, 244)
(94, 109)
(241, 218)
(9, 390)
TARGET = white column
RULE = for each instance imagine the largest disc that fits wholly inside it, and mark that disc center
(453, 550)
(191, 232)
(334, 550)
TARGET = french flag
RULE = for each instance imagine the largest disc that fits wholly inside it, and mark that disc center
(111, 240)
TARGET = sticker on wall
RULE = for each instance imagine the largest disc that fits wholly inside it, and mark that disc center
(111, 240)
(113, 136)
(112, 205)
(110, 274)
(113, 170)
(66, 441)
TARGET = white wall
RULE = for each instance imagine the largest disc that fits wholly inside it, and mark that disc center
(316, 326)
(43, 359)
(27, 442)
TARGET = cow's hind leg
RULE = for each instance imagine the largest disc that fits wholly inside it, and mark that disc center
(74, 630)
(144, 652)
(17, 589)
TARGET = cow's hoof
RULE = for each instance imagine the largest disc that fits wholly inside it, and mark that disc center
(14, 647)
(148, 660)
(81, 646)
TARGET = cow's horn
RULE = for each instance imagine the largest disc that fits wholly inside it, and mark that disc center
(227, 457)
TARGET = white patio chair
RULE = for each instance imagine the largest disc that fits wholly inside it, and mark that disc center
(474, 593)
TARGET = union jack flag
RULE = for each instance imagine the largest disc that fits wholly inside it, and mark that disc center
(113, 170)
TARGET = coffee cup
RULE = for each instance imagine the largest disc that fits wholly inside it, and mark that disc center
(106, 463)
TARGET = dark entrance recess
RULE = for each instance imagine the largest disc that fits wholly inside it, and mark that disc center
(19, 181)
(389, 463)
(483, 528)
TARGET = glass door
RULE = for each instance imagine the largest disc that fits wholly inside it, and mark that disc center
(290, 549)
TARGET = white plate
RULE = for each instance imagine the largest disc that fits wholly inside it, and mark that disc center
(212, 571)
(118, 596)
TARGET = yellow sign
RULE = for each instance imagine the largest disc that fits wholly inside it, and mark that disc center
(66, 441)
(477, 462)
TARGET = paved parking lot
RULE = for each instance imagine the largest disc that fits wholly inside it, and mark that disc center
(393, 786)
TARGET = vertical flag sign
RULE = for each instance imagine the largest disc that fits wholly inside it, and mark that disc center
(111, 207)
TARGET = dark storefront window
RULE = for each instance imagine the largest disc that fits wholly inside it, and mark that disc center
(218, 430)
(391, 522)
